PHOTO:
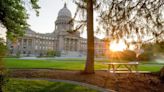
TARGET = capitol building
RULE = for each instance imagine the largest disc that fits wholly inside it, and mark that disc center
(60, 40)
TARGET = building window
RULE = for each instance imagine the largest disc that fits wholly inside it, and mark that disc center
(11, 52)
(24, 52)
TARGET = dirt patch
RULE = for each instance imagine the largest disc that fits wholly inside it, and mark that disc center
(118, 82)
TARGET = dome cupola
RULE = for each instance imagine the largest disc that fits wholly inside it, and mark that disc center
(64, 12)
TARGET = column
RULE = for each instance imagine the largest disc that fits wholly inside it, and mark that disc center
(33, 51)
(21, 47)
(71, 44)
(65, 44)
(79, 47)
(61, 43)
(68, 44)
(75, 44)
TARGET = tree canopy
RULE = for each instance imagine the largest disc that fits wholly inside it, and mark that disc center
(13, 15)
(139, 20)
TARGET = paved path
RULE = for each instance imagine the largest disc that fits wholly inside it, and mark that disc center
(161, 61)
(71, 82)
(46, 58)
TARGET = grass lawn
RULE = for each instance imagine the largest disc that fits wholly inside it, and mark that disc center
(18, 85)
(69, 64)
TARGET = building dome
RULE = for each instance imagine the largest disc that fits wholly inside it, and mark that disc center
(64, 12)
(63, 20)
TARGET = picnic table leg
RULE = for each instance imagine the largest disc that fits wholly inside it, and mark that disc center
(136, 68)
(129, 68)
(109, 66)
(113, 68)
(118, 67)
(106, 78)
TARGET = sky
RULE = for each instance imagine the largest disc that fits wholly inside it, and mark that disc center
(2, 32)
(48, 13)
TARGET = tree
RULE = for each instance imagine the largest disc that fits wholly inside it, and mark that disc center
(89, 66)
(13, 15)
(87, 9)
(139, 21)
(2, 54)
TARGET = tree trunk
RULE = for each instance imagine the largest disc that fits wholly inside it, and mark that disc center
(162, 74)
(1, 81)
(89, 66)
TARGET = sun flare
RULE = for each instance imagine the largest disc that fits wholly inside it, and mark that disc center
(114, 46)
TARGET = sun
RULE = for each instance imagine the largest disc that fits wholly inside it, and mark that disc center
(120, 46)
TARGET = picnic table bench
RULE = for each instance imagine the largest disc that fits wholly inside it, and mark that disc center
(129, 66)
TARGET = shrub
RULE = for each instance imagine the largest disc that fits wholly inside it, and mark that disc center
(126, 55)
(129, 55)
(18, 54)
(51, 53)
(58, 53)
(3, 49)
(146, 56)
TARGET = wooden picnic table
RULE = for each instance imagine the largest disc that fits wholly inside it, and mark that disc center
(129, 66)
